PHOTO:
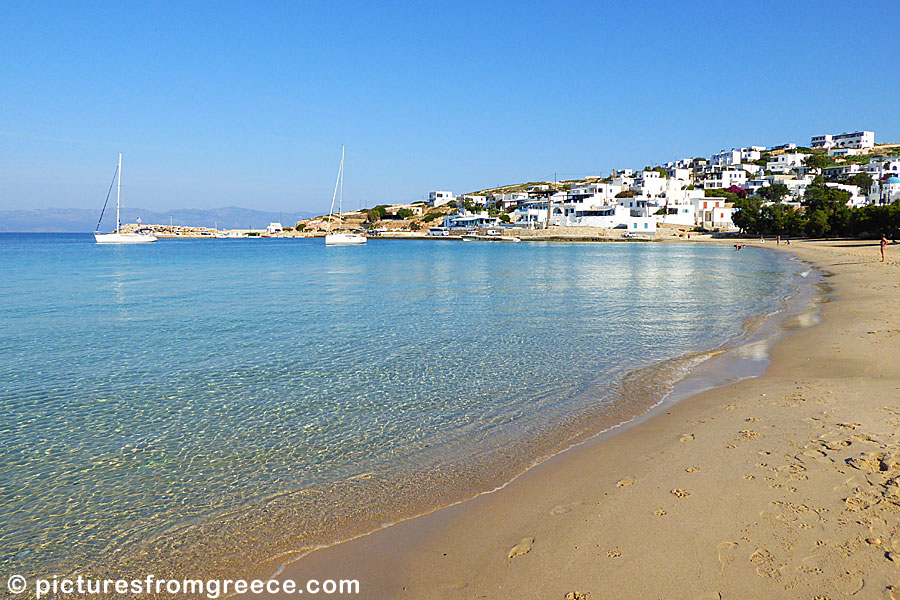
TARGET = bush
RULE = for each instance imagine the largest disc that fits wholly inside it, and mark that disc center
(627, 194)
(504, 218)
(432, 216)
(405, 213)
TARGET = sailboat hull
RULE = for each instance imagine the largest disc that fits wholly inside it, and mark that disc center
(344, 239)
(124, 238)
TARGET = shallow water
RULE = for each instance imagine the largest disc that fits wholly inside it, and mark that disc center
(276, 393)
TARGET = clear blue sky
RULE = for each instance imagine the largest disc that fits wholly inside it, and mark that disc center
(237, 104)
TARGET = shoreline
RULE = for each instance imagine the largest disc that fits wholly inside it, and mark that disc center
(467, 530)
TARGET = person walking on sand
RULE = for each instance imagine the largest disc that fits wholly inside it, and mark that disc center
(883, 244)
(778, 241)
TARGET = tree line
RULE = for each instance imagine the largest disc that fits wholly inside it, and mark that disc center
(823, 213)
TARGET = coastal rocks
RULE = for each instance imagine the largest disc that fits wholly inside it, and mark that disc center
(523, 547)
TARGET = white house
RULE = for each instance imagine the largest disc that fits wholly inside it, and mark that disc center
(857, 139)
(736, 156)
(510, 200)
(530, 214)
(784, 163)
(274, 228)
(439, 198)
(475, 199)
(880, 168)
(470, 222)
(724, 179)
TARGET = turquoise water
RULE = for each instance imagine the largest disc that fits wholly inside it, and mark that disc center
(208, 385)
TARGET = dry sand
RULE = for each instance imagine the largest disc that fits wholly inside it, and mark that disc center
(783, 486)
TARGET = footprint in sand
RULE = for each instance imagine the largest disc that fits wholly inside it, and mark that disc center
(614, 553)
(726, 552)
(523, 547)
(686, 437)
(625, 482)
(564, 508)
(692, 469)
(680, 493)
(752, 420)
(660, 512)
(748, 477)
(578, 596)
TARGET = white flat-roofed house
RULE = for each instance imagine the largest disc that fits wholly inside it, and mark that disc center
(531, 213)
(718, 218)
(470, 222)
(474, 199)
(724, 179)
(684, 174)
(881, 168)
(274, 228)
(856, 139)
(840, 171)
(592, 193)
(439, 198)
(714, 213)
(736, 156)
(651, 183)
(681, 212)
(835, 151)
(787, 162)
(821, 141)
(510, 200)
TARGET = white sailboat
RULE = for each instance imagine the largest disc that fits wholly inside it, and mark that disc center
(341, 238)
(117, 237)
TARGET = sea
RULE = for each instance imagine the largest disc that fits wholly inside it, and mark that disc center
(223, 406)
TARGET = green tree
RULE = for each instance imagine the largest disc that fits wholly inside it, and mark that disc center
(405, 213)
(816, 223)
(747, 214)
(817, 161)
(505, 218)
(863, 180)
(774, 193)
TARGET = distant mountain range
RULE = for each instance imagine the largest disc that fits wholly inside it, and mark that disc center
(75, 220)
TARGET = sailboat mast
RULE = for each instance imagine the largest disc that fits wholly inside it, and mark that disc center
(119, 195)
(341, 201)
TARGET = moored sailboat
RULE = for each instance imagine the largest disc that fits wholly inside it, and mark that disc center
(341, 238)
(117, 237)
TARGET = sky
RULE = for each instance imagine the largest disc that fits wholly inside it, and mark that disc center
(234, 104)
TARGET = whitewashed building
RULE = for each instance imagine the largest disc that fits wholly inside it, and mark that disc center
(724, 179)
(885, 191)
(784, 163)
(469, 222)
(439, 198)
(857, 139)
(736, 156)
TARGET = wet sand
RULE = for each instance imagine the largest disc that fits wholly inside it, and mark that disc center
(782, 486)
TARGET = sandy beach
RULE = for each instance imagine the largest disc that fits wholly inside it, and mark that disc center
(782, 486)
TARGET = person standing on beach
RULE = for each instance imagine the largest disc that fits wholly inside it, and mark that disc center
(778, 241)
(883, 244)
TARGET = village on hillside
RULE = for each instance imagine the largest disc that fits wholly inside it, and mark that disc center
(692, 193)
